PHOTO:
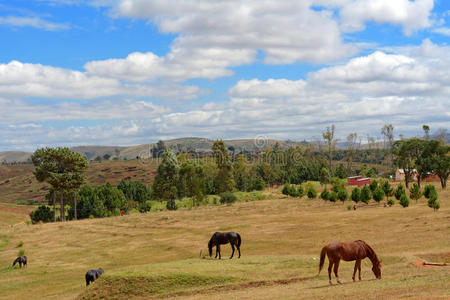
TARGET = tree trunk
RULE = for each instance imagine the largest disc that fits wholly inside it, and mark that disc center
(406, 178)
(418, 180)
(61, 205)
(75, 206)
(54, 205)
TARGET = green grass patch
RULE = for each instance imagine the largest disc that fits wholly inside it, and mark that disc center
(4, 241)
(129, 286)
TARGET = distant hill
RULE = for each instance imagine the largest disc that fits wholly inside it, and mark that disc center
(14, 156)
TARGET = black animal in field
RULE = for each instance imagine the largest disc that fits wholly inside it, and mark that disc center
(222, 238)
(93, 275)
(21, 260)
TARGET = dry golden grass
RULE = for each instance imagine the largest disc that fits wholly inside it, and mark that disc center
(157, 254)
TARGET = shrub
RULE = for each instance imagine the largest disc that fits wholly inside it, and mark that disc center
(285, 190)
(414, 192)
(20, 244)
(432, 201)
(171, 205)
(21, 252)
(378, 194)
(325, 194)
(366, 194)
(356, 195)
(390, 202)
(227, 198)
(43, 213)
(145, 206)
(349, 207)
(333, 197)
(312, 193)
(342, 195)
(259, 183)
(300, 191)
(387, 189)
(404, 201)
(373, 185)
(399, 191)
(427, 190)
(338, 184)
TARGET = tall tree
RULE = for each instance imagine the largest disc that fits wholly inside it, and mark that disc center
(165, 182)
(351, 150)
(62, 168)
(407, 152)
(388, 135)
(328, 136)
(224, 179)
(193, 175)
(426, 129)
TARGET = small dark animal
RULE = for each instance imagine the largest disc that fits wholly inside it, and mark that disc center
(357, 250)
(222, 238)
(21, 260)
(93, 275)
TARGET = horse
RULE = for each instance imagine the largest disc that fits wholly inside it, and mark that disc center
(93, 275)
(221, 238)
(21, 260)
(356, 250)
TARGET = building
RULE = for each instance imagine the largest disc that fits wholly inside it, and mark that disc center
(400, 176)
(352, 180)
(358, 180)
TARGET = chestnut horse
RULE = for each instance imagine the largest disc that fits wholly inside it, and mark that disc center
(221, 238)
(357, 250)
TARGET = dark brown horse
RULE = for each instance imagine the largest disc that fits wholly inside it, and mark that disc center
(357, 250)
(21, 260)
(222, 238)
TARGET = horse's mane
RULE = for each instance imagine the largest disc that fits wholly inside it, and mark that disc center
(369, 249)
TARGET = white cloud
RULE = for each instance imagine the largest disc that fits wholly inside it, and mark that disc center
(35, 22)
(442, 30)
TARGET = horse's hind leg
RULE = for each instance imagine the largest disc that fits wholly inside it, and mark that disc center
(232, 253)
(359, 269)
(330, 266)
(355, 269)
(217, 251)
(336, 267)
(239, 250)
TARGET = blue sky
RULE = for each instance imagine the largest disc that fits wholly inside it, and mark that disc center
(125, 72)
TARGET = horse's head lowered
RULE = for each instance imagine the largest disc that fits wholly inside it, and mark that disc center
(376, 269)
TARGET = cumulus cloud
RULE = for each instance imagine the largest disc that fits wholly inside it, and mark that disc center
(35, 22)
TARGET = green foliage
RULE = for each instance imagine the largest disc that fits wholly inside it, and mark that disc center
(21, 252)
(290, 190)
(224, 178)
(342, 194)
(378, 194)
(134, 192)
(356, 195)
(43, 213)
(366, 194)
(414, 192)
(373, 185)
(311, 193)
(404, 201)
(428, 190)
(387, 189)
(390, 202)
(399, 191)
(340, 172)
(325, 194)
(258, 183)
(300, 191)
(20, 244)
(192, 181)
(432, 200)
(367, 171)
(145, 206)
(171, 204)
(324, 176)
(228, 198)
(332, 197)
(164, 186)
(349, 207)
(338, 184)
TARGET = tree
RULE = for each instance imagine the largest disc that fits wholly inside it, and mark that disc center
(414, 192)
(441, 164)
(407, 152)
(62, 168)
(324, 176)
(387, 189)
(106, 156)
(342, 195)
(328, 136)
(351, 150)
(164, 186)
(340, 172)
(312, 193)
(193, 175)
(426, 130)
(158, 149)
(356, 195)
(224, 179)
(428, 190)
(41, 214)
(388, 133)
(325, 194)
(432, 201)
(404, 201)
(399, 191)
(378, 194)
(373, 185)
(366, 194)
(332, 197)
(240, 173)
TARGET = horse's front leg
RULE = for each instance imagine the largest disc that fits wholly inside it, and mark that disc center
(355, 269)
(336, 267)
(217, 251)
(232, 253)
(220, 254)
(330, 266)
(359, 269)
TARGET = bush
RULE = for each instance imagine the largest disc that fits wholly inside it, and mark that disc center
(349, 207)
(145, 206)
(427, 190)
(373, 185)
(259, 183)
(356, 195)
(342, 195)
(399, 191)
(300, 191)
(390, 202)
(414, 192)
(228, 198)
(171, 205)
(43, 213)
(378, 194)
(285, 190)
(325, 194)
(312, 193)
(432, 201)
(366, 194)
(404, 201)
(333, 197)
(290, 190)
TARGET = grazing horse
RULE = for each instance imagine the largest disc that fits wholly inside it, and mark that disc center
(356, 250)
(21, 260)
(93, 275)
(221, 238)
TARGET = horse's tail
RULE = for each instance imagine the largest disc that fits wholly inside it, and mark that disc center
(239, 240)
(322, 258)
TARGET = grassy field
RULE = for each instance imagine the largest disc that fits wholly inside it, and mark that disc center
(157, 255)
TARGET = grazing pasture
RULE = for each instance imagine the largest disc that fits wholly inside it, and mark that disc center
(157, 255)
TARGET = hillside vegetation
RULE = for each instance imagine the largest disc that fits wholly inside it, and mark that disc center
(157, 254)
